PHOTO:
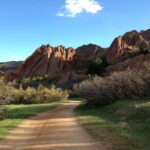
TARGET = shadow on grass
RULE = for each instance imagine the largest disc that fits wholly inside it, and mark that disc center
(16, 113)
(24, 111)
(103, 123)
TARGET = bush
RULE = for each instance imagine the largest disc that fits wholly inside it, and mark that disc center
(33, 82)
(5, 92)
(128, 84)
(27, 96)
(2, 112)
(137, 52)
(11, 95)
(144, 51)
(39, 95)
(97, 67)
(51, 95)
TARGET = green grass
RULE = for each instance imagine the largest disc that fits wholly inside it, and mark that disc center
(17, 113)
(103, 123)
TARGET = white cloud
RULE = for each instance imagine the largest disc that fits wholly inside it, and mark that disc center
(74, 7)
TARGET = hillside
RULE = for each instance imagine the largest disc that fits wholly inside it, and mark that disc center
(9, 66)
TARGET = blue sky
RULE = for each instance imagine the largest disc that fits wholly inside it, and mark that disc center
(27, 24)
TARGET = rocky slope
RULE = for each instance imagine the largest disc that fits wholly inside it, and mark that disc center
(123, 47)
(68, 65)
(138, 62)
(132, 50)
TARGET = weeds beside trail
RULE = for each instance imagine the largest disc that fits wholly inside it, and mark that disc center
(126, 124)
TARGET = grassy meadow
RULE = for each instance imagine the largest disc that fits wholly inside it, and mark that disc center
(125, 124)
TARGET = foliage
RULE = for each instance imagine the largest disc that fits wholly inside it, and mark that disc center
(11, 95)
(39, 95)
(137, 52)
(2, 112)
(52, 94)
(144, 51)
(5, 95)
(33, 82)
(123, 85)
(97, 67)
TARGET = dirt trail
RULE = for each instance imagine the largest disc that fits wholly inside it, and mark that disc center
(57, 129)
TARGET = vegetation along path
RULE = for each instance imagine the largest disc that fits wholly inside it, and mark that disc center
(51, 130)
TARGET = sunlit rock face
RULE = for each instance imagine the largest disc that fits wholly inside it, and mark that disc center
(48, 60)
(124, 46)
(132, 50)
(54, 62)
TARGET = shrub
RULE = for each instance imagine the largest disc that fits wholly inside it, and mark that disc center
(137, 52)
(27, 96)
(52, 94)
(12, 95)
(144, 51)
(2, 112)
(97, 67)
(5, 92)
(128, 84)
(3, 98)
(39, 95)
(34, 82)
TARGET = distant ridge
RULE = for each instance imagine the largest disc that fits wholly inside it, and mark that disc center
(9, 66)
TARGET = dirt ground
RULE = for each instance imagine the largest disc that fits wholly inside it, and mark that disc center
(57, 129)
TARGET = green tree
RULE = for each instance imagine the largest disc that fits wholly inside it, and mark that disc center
(97, 67)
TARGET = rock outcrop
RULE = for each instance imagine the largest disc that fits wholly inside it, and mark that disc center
(87, 53)
(138, 63)
(48, 60)
(123, 47)
(67, 64)
(57, 62)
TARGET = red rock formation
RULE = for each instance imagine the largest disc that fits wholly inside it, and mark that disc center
(56, 61)
(64, 63)
(67, 79)
(47, 60)
(89, 52)
(123, 46)
(137, 63)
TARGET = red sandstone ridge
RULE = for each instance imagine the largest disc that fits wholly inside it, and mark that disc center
(48, 60)
(129, 51)
(124, 46)
(56, 62)
(89, 52)
(69, 65)
(138, 63)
